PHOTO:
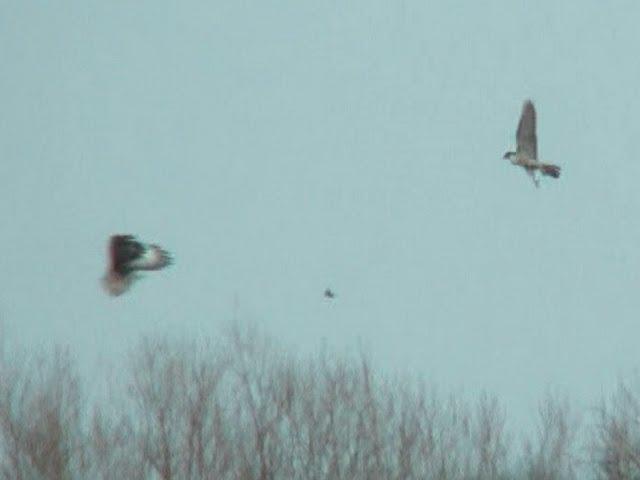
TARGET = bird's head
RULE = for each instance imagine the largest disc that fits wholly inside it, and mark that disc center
(508, 155)
(115, 284)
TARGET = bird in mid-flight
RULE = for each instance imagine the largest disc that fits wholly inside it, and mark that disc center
(526, 154)
(328, 293)
(127, 256)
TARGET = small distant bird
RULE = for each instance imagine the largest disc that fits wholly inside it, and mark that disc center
(526, 154)
(329, 294)
(126, 257)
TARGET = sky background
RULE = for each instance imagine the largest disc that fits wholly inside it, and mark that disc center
(280, 147)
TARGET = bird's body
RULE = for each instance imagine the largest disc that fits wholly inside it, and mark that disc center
(328, 293)
(526, 154)
(127, 256)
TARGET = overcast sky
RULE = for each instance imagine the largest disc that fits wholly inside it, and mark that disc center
(280, 147)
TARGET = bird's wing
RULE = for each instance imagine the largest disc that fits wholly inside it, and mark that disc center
(123, 250)
(526, 134)
(153, 258)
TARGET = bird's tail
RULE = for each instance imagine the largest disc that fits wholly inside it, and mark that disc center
(162, 258)
(154, 258)
(550, 170)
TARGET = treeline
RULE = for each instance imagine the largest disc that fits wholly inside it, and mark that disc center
(242, 409)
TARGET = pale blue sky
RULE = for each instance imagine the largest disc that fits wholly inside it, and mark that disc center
(279, 147)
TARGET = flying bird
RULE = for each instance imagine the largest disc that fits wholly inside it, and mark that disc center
(127, 256)
(526, 154)
(328, 293)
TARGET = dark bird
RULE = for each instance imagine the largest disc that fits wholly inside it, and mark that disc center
(526, 154)
(127, 256)
(329, 294)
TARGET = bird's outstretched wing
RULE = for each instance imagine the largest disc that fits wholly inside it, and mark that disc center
(526, 135)
(124, 249)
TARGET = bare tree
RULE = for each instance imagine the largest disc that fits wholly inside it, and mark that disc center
(246, 410)
(616, 443)
(177, 414)
(41, 419)
(552, 455)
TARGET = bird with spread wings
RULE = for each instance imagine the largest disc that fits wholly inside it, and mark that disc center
(127, 256)
(526, 154)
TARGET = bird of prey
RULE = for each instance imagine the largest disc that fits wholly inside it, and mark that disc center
(328, 293)
(127, 256)
(526, 154)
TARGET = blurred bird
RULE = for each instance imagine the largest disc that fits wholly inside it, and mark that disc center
(526, 154)
(126, 257)
(329, 294)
